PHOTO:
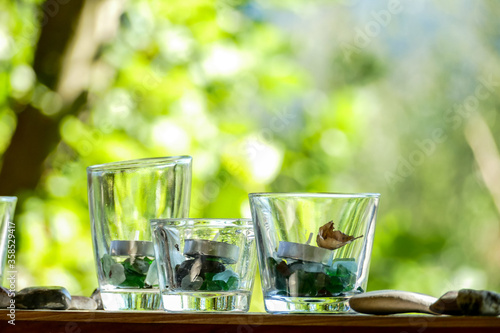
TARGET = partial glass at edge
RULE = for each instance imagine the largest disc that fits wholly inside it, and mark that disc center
(7, 207)
(205, 264)
(304, 286)
(123, 197)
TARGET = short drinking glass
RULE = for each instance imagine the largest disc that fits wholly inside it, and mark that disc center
(313, 248)
(123, 197)
(205, 264)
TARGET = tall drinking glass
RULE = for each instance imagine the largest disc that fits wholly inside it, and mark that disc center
(7, 243)
(313, 248)
(123, 197)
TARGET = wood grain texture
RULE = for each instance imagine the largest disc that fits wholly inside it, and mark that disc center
(133, 322)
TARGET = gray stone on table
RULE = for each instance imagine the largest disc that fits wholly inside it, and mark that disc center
(447, 304)
(51, 298)
(4, 297)
(383, 302)
(82, 303)
(468, 302)
(96, 296)
(478, 302)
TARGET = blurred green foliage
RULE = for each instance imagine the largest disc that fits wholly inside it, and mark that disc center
(270, 96)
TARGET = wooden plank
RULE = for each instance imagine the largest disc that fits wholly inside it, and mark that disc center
(92, 327)
(252, 319)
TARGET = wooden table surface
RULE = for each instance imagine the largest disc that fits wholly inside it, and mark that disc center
(27, 321)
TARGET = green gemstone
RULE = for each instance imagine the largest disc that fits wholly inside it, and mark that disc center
(232, 283)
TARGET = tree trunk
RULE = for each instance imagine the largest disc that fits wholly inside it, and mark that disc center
(70, 37)
(37, 134)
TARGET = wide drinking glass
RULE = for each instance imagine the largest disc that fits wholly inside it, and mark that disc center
(7, 244)
(205, 264)
(123, 197)
(299, 277)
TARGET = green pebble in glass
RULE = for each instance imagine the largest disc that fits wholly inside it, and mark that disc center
(211, 275)
(130, 273)
(294, 280)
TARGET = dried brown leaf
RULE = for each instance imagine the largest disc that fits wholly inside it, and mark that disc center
(332, 239)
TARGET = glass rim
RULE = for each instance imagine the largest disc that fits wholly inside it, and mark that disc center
(141, 162)
(189, 219)
(8, 199)
(314, 195)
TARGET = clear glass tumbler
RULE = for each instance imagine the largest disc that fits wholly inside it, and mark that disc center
(123, 197)
(307, 270)
(7, 243)
(205, 264)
